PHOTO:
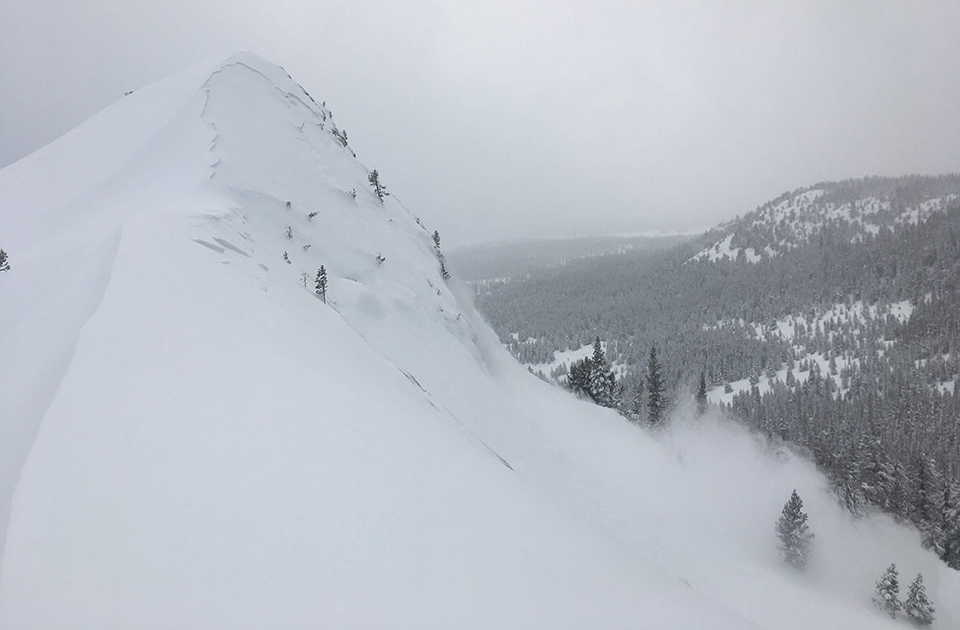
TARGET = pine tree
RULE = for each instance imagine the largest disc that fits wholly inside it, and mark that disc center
(636, 406)
(378, 188)
(951, 527)
(656, 390)
(927, 504)
(887, 598)
(579, 379)
(436, 249)
(322, 283)
(701, 396)
(918, 607)
(603, 383)
(794, 534)
(4, 265)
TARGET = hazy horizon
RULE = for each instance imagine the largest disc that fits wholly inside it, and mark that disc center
(501, 120)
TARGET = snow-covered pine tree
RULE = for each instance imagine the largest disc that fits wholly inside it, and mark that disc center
(794, 533)
(656, 389)
(322, 283)
(887, 596)
(378, 188)
(603, 383)
(771, 371)
(4, 264)
(579, 379)
(951, 526)
(701, 396)
(436, 250)
(918, 608)
(927, 503)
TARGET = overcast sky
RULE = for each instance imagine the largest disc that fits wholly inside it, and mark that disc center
(495, 118)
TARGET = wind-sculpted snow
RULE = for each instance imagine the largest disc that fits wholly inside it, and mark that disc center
(193, 439)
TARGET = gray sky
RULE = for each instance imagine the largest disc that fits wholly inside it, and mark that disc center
(495, 118)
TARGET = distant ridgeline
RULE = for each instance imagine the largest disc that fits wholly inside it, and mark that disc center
(828, 317)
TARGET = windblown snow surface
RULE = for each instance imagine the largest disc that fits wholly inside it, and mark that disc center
(190, 438)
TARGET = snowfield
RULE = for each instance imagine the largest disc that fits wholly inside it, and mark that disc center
(191, 438)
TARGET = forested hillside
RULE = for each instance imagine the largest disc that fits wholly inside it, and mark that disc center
(829, 317)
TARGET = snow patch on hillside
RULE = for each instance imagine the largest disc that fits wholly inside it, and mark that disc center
(786, 328)
(563, 359)
(722, 249)
(791, 222)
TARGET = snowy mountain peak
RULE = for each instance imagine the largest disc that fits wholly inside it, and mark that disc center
(191, 437)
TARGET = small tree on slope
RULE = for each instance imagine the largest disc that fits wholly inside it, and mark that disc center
(579, 379)
(4, 265)
(636, 406)
(794, 534)
(701, 396)
(656, 390)
(918, 607)
(380, 189)
(887, 598)
(322, 283)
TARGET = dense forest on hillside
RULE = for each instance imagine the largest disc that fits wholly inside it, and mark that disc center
(829, 317)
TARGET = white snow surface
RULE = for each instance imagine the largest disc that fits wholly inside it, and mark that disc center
(190, 438)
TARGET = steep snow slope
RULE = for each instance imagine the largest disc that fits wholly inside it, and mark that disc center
(191, 438)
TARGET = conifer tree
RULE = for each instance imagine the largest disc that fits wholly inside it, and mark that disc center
(701, 396)
(636, 406)
(436, 249)
(579, 379)
(4, 265)
(887, 596)
(927, 504)
(603, 383)
(795, 536)
(918, 608)
(378, 188)
(322, 283)
(656, 390)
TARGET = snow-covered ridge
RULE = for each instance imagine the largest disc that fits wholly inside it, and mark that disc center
(191, 438)
(793, 219)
